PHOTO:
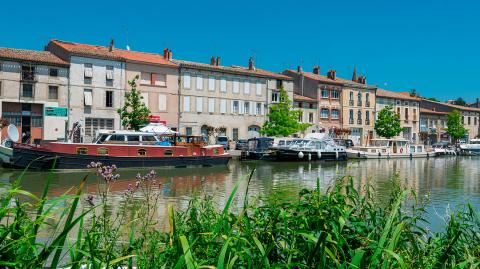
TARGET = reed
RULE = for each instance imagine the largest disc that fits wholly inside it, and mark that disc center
(344, 227)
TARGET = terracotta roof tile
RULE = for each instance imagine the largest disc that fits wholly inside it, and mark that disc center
(143, 57)
(465, 108)
(86, 50)
(298, 97)
(428, 111)
(396, 95)
(325, 79)
(233, 69)
(32, 56)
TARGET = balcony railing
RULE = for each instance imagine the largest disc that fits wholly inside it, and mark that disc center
(359, 103)
(367, 122)
(367, 104)
(350, 102)
(350, 121)
(359, 121)
(28, 76)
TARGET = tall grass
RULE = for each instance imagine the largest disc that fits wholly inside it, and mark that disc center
(344, 227)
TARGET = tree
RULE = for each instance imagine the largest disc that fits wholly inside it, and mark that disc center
(282, 118)
(388, 123)
(460, 102)
(433, 99)
(134, 112)
(455, 127)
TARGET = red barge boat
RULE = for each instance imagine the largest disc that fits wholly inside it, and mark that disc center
(124, 149)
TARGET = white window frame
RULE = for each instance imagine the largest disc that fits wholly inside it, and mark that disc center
(223, 106)
(199, 104)
(236, 86)
(186, 103)
(199, 82)
(87, 97)
(246, 87)
(162, 102)
(223, 85)
(211, 105)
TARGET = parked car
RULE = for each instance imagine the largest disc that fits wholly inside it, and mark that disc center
(224, 141)
(241, 143)
(348, 143)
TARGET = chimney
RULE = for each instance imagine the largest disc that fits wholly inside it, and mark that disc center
(218, 61)
(165, 53)
(362, 80)
(251, 66)
(212, 60)
(299, 69)
(169, 55)
(332, 74)
(316, 70)
(111, 46)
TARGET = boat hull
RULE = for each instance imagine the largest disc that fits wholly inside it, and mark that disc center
(354, 154)
(44, 160)
(293, 155)
(6, 154)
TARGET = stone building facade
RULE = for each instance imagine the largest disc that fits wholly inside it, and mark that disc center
(33, 94)
(97, 86)
(232, 98)
(309, 108)
(157, 82)
(433, 120)
(406, 106)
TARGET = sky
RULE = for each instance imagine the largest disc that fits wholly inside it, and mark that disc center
(432, 46)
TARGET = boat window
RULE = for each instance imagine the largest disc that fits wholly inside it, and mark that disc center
(142, 152)
(168, 152)
(117, 137)
(281, 143)
(102, 151)
(102, 138)
(82, 151)
(133, 138)
(148, 138)
(222, 139)
(419, 149)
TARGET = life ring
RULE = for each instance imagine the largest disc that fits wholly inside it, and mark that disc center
(401, 150)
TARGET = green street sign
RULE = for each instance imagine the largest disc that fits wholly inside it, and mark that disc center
(56, 111)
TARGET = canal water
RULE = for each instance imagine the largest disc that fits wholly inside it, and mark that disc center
(447, 182)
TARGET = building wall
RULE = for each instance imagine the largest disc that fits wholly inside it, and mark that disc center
(11, 99)
(97, 116)
(309, 115)
(329, 105)
(162, 100)
(240, 121)
(361, 129)
(409, 112)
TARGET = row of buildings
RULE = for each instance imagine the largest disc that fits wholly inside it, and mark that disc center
(70, 90)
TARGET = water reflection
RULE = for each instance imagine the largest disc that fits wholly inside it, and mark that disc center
(447, 181)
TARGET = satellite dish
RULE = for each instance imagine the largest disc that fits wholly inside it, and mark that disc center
(12, 132)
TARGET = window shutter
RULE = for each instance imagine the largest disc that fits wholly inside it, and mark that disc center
(186, 103)
(145, 98)
(186, 81)
(246, 89)
(162, 102)
(211, 105)
(109, 74)
(199, 83)
(259, 88)
(223, 85)
(241, 109)
(88, 100)
(252, 108)
(199, 104)
(231, 107)
(223, 106)
(145, 79)
(236, 86)
(211, 84)
(262, 107)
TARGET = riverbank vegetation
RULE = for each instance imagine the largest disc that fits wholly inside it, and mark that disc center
(343, 227)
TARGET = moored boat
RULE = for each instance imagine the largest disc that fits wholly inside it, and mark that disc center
(443, 148)
(389, 148)
(311, 148)
(473, 147)
(259, 148)
(125, 149)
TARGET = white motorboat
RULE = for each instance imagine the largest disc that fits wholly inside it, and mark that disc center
(315, 146)
(389, 148)
(443, 148)
(473, 147)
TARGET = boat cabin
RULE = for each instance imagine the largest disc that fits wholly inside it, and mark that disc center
(391, 146)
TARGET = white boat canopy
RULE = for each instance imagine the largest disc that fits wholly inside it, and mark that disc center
(157, 128)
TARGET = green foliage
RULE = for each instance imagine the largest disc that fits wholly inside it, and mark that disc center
(433, 99)
(344, 227)
(388, 123)
(460, 102)
(283, 118)
(134, 113)
(455, 127)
